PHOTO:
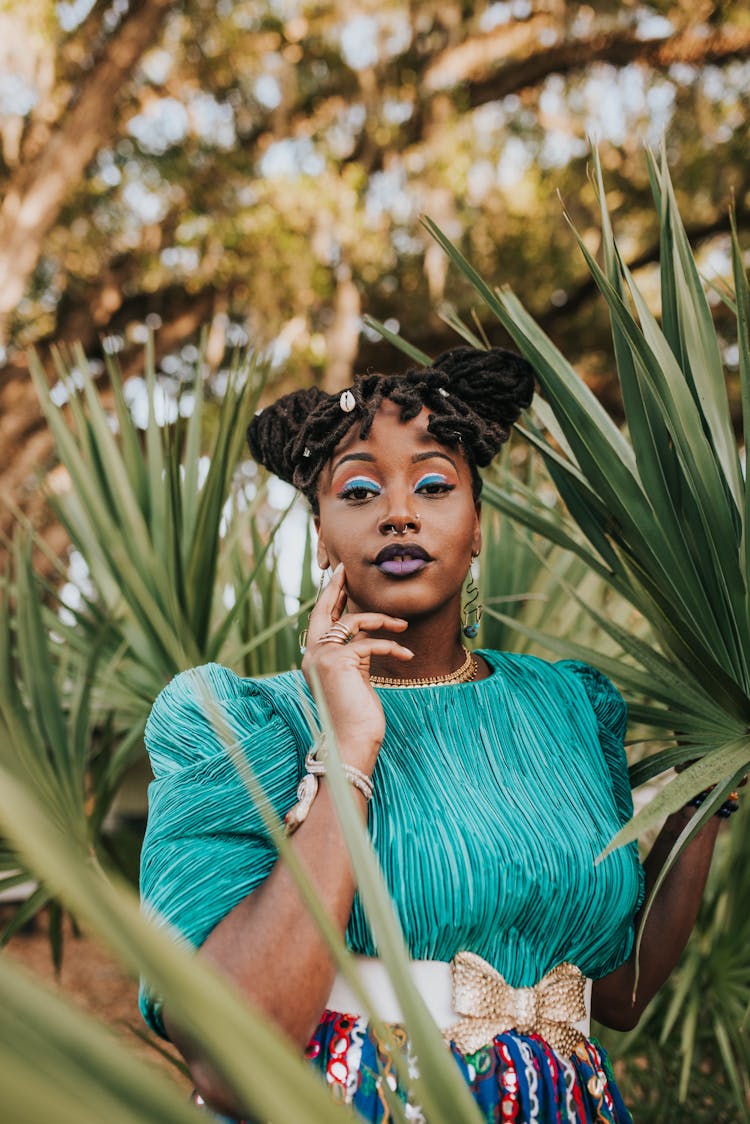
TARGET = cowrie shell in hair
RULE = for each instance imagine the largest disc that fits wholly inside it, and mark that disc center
(443, 391)
(347, 402)
(306, 451)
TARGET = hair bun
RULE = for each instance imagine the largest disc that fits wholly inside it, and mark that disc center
(275, 433)
(495, 385)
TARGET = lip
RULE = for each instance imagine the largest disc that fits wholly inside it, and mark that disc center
(401, 550)
(402, 567)
(401, 560)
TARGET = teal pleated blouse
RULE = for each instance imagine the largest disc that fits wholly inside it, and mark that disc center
(491, 802)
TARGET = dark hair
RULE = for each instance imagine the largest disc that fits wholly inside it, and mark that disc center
(473, 398)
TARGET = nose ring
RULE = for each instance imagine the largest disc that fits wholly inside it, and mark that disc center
(405, 528)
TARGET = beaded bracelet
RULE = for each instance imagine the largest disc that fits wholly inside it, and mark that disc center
(307, 789)
(728, 808)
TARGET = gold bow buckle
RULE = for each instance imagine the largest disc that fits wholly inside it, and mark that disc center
(489, 1006)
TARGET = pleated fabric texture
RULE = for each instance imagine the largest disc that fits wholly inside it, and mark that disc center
(492, 801)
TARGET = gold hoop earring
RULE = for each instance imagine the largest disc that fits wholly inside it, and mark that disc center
(302, 639)
(471, 613)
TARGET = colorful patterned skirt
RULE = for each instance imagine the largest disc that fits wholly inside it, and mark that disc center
(517, 1079)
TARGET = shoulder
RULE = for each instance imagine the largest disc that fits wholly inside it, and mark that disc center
(611, 713)
(608, 704)
(516, 664)
(571, 683)
(566, 674)
(202, 706)
(595, 682)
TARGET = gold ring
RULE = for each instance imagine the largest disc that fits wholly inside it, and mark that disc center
(338, 634)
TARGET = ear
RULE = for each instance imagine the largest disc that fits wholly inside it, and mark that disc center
(476, 542)
(322, 553)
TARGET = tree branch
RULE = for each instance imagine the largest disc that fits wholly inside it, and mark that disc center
(508, 61)
(618, 50)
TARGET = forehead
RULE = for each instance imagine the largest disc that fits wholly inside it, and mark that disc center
(394, 443)
(387, 427)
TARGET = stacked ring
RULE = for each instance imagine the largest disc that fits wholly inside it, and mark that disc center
(339, 633)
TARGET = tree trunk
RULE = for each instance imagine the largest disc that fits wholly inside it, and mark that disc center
(36, 193)
(342, 337)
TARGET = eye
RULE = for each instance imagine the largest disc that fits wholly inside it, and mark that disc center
(360, 488)
(434, 485)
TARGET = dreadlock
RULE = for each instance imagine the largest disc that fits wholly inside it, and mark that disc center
(473, 398)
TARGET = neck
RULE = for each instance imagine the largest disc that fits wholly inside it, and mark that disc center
(437, 645)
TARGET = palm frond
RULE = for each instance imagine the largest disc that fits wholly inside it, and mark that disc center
(660, 505)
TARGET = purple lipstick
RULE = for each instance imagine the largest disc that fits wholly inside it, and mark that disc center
(400, 560)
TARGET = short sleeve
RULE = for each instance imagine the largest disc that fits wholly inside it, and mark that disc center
(206, 847)
(611, 712)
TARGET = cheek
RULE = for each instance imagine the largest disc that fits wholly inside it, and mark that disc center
(466, 527)
(337, 538)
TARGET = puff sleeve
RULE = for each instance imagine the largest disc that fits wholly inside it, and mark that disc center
(206, 847)
(611, 712)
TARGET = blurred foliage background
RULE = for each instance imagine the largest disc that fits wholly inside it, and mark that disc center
(260, 167)
(183, 179)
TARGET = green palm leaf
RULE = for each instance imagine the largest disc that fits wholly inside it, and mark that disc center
(254, 1059)
(663, 508)
(59, 1064)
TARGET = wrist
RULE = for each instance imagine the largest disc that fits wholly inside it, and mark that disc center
(723, 812)
(315, 770)
(676, 823)
(361, 756)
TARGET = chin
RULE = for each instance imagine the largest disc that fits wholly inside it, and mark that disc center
(403, 596)
(403, 599)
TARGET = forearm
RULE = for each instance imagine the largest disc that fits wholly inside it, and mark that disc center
(270, 947)
(617, 1001)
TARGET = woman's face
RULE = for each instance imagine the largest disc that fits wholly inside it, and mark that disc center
(398, 510)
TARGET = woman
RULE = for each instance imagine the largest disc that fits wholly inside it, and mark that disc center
(495, 779)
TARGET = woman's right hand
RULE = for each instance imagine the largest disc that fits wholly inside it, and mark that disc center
(342, 670)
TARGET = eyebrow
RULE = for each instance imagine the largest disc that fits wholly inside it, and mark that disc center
(416, 459)
(431, 455)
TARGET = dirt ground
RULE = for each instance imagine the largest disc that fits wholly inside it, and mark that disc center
(93, 981)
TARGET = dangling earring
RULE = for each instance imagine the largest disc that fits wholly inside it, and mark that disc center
(303, 634)
(471, 614)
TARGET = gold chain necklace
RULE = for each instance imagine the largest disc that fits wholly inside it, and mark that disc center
(464, 674)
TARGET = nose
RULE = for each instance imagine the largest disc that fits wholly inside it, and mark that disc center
(403, 524)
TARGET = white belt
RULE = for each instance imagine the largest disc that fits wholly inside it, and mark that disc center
(471, 1002)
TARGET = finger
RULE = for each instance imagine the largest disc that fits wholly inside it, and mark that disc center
(340, 654)
(368, 648)
(340, 605)
(330, 606)
(352, 625)
(321, 614)
(372, 622)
